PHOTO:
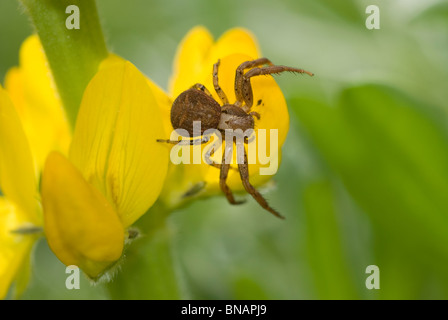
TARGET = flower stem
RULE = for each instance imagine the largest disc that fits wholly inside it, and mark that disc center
(73, 54)
(148, 271)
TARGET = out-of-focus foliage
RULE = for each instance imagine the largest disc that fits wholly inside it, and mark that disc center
(364, 176)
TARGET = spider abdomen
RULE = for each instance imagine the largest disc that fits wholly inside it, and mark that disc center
(194, 105)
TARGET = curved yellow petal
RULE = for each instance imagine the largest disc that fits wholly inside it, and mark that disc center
(190, 58)
(14, 248)
(33, 92)
(81, 226)
(236, 40)
(163, 100)
(17, 174)
(114, 143)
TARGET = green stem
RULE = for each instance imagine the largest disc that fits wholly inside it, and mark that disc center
(73, 54)
(148, 270)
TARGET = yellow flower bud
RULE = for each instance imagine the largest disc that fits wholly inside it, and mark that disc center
(81, 227)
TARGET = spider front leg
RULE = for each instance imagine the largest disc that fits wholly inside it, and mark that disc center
(245, 91)
(221, 94)
(244, 174)
(226, 157)
(239, 77)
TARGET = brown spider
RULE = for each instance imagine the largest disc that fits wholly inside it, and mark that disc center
(197, 104)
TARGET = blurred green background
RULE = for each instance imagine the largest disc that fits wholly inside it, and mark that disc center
(364, 177)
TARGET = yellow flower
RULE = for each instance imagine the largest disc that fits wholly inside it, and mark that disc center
(193, 64)
(90, 194)
(31, 124)
(114, 173)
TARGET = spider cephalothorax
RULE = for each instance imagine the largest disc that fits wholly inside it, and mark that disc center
(197, 104)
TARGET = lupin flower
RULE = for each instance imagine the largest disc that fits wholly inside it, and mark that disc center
(90, 195)
(32, 122)
(193, 64)
(114, 172)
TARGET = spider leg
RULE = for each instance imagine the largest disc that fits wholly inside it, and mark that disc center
(255, 114)
(244, 174)
(209, 161)
(202, 140)
(219, 91)
(202, 88)
(240, 73)
(223, 175)
(210, 152)
(246, 88)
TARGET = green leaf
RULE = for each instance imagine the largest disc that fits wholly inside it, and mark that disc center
(393, 159)
(246, 288)
(325, 251)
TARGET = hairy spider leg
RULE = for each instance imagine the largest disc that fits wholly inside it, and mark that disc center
(201, 87)
(210, 152)
(255, 114)
(239, 77)
(246, 88)
(226, 157)
(244, 174)
(219, 91)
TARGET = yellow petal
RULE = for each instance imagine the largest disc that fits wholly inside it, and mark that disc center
(81, 226)
(17, 174)
(237, 40)
(114, 143)
(190, 58)
(34, 94)
(163, 100)
(14, 248)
